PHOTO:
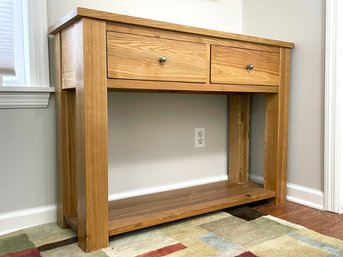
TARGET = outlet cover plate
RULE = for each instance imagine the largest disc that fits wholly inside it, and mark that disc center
(199, 137)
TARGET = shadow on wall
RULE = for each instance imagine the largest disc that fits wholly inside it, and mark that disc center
(257, 120)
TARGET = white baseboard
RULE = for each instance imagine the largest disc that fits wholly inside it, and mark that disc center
(12, 221)
(299, 194)
(306, 196)
(159, 189)
(257, 179)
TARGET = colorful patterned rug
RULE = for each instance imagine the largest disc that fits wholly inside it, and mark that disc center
(241, 232)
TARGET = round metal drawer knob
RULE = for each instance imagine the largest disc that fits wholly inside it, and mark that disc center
(163, 59)
(250, 67)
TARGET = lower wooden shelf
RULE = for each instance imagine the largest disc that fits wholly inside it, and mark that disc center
(144, 211)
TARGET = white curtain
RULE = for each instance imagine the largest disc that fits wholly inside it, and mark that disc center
(7, 59)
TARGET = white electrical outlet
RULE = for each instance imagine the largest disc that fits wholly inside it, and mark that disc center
(199, 137)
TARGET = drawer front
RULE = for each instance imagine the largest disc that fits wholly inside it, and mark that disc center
(243, 66)
(148, 58)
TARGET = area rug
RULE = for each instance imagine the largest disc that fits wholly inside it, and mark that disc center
(242, 232)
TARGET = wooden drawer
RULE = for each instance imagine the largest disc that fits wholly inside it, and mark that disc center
(138, 57)
(230, 66)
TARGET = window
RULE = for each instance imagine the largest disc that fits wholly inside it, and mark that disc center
(6, 38)
(29, 80)
(15, 72)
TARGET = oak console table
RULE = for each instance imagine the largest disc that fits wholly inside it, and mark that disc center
(97, 52)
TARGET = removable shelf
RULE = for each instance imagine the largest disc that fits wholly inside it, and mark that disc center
(144, 211)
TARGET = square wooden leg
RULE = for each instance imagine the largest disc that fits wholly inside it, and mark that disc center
(276, 133)
(91, 136)
(65, 120)
(238, 154)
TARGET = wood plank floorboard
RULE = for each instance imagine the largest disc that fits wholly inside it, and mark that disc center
(149, 210)
(327, 223)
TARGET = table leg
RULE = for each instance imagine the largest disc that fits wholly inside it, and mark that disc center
(65, 120)
(91, 136)
(276, 133)
(238, 154)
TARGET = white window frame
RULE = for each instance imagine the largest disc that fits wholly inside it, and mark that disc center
(333, 138)
(35, 92)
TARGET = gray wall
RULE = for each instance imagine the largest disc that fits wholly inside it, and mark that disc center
(223, 15)
(151, 139)
(27, 158)
(301, 22)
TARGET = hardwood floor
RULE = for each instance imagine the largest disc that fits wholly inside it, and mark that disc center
(327, 223)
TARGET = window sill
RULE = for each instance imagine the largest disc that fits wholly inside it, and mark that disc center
(25, 97)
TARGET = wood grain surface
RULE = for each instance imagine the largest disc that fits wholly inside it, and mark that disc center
(91, 136)
(239, 125)
(229, 66)
(65, 128)
(327, 223)
(69, 61)
(167, 86)
(137, 57)
(276, 133)
(182, 36)
(144, 211)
